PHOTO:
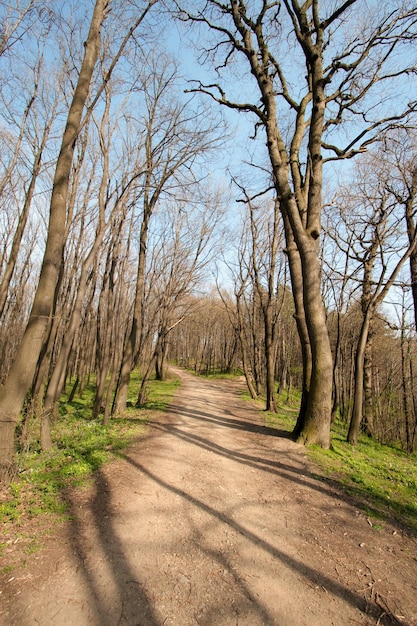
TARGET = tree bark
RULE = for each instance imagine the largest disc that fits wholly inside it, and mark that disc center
(316, 427)
(368, 412)
(296, 273)
(411, 232)
(356, 420)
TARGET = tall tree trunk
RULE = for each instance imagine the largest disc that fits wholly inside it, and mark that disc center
(404, 387)
(109, 343)
(244, 349)
(57, 379)
(270, 354)
(357, 413)
(411, 232)
(12, 394)
(136, 327)
(368, 387)
(296, 273)
(316, 427)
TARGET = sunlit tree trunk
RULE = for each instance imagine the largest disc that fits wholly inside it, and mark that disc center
(294, 264)
(356, 420)
(13, 393)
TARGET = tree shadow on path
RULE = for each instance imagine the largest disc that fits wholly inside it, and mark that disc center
(311, 575)
(121, 599)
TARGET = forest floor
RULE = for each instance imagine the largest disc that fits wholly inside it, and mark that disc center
(213, 519)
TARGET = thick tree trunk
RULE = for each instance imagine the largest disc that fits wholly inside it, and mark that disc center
(316, 427)
(161, 357)
(301, 211)
(12, 394)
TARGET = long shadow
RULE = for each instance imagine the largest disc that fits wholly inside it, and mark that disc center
(379, 507)
(301, 568)
(297, 475)
(238, 424)
(130, 597)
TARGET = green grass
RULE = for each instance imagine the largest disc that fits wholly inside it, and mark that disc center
(381, 478)
(216, 374)
(81, 446)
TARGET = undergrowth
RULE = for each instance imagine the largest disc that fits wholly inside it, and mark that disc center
(81, 446)
(381, 478)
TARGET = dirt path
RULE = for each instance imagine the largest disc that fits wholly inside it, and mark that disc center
(214, 519)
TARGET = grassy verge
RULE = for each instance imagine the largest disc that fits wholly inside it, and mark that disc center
(382, 479)
(214, 374)
(81, 445)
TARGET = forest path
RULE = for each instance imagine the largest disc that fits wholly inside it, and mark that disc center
(214, 519)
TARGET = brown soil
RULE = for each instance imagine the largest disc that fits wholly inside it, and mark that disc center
(213, 519)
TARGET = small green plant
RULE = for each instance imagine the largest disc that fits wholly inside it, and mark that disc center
(9, 508)
(32, 547)
(381, 478)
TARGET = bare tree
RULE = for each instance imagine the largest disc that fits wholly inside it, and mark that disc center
(21, 374)
(176, 137)
(178, 267)
(369, 226)
(27, 120)
(265, 240)
(236, 318)
(312, 70)
(17, 19)
(399, 162)
(106, 214)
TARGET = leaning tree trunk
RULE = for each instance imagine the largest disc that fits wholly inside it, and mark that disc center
(12, 394)
(142, 392)
(57, 379)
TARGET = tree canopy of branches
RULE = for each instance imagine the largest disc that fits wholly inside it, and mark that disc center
(305, 70)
